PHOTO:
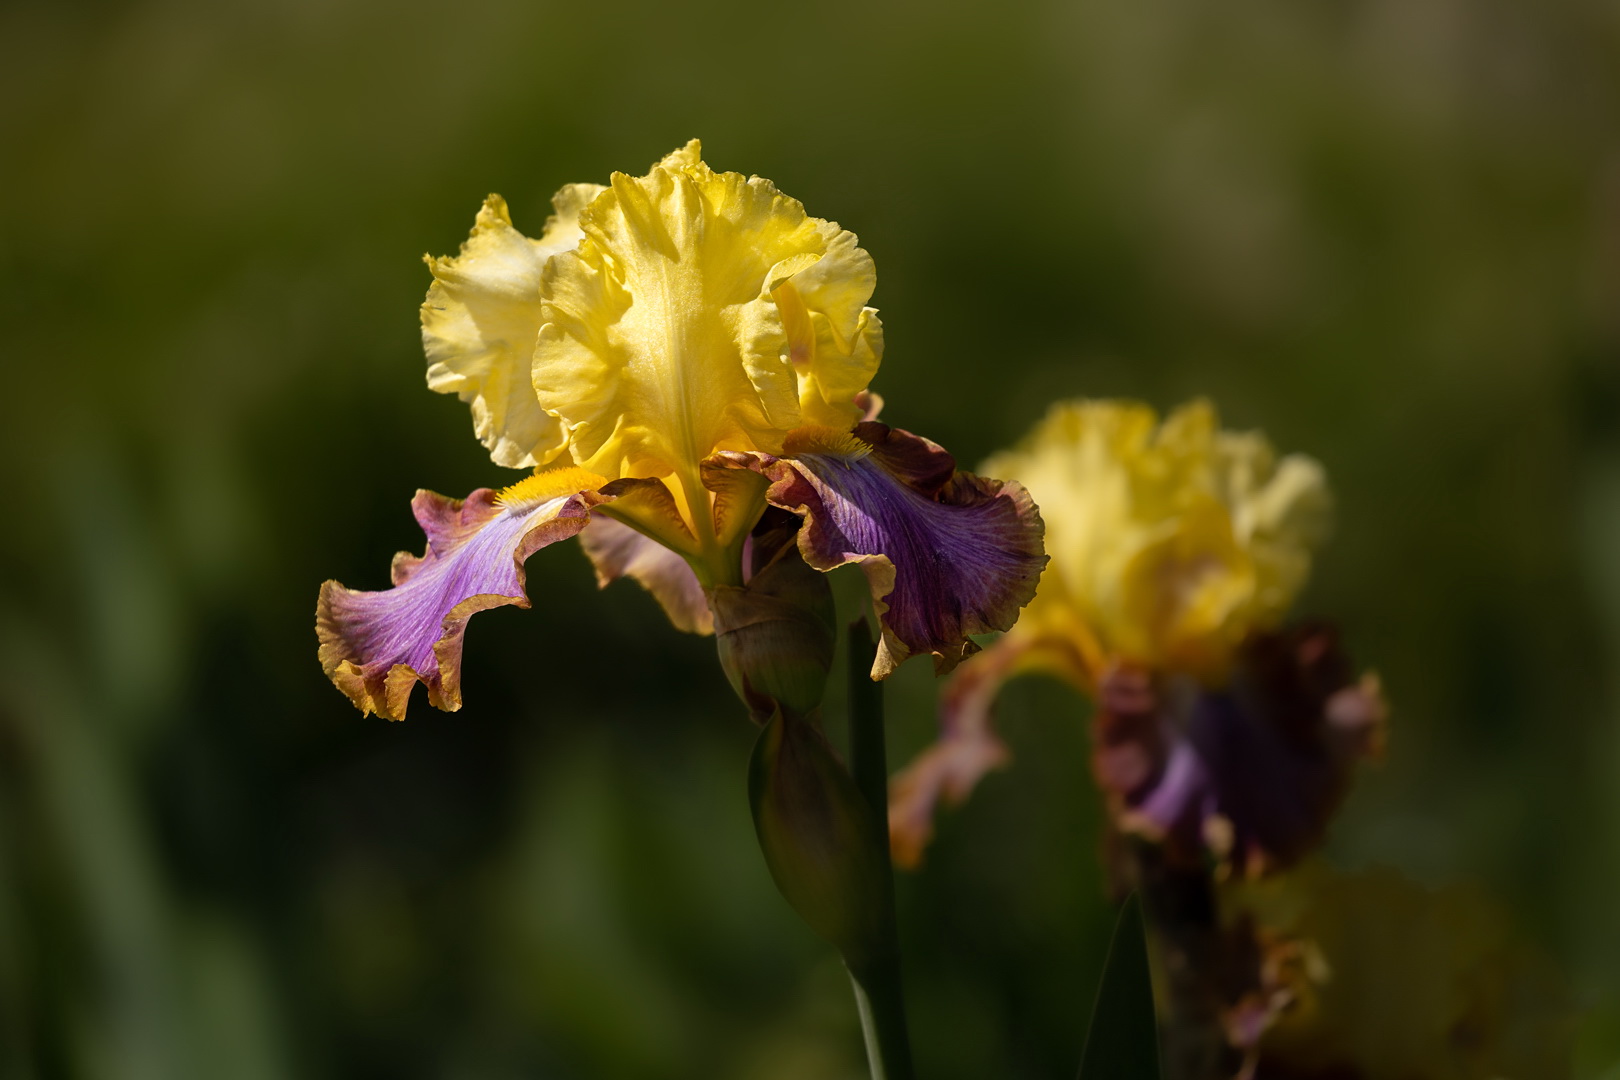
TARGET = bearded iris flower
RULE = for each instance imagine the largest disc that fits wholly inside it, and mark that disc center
(1177, 549)
(675, 353)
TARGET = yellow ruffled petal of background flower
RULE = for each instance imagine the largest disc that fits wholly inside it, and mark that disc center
(481, 319)
(1075, 465)
(1169, 541)
(1186, 597)
(1281, 511)
(663, 342)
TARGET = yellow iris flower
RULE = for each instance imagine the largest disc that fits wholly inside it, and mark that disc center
(657, 322)
(675, 353)
(1173, 545)
(1170, 541)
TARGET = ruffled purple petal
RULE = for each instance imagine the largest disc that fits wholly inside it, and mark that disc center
(1251, 773)
(375, 646)
(947, 554)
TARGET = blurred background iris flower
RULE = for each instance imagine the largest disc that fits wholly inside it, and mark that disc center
(1385, 231)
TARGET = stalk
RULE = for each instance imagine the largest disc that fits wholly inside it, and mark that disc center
(1180, 909)
(879, 995)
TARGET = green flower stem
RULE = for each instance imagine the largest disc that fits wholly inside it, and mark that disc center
(879, 996)
(1180, 908)
(883, 1018)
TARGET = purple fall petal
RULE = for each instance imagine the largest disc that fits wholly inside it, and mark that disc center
(947, 554)
(1252, 772)
(375, 646)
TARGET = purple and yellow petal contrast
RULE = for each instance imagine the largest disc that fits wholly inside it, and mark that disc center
(947, 554)
(376, 646)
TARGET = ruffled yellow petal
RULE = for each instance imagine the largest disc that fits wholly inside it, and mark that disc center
(1170, 541)
(1074, 465)
(683, 157)
(665, 337)
(480, 321)
(833, 339)
(1281, 512)
(1186, 597)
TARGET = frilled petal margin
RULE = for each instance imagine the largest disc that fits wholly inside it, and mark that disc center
(947, 554)
(1251, 773)
(616, 550)
(375, 646)
(968, 745)
(481, 319)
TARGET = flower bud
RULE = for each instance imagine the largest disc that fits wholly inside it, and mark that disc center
(776, 636)
(823, 842)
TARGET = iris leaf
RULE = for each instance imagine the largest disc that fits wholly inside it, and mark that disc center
(1123, 1043)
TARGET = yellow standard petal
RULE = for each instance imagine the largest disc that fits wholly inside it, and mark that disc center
(702, 311)
(1170, 542)
(480, 321)
(1074, 464)
(833, 339)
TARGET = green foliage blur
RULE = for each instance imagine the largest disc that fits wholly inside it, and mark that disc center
(1385, 231)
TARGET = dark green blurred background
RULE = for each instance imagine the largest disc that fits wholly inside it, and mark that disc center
(1386, 231)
